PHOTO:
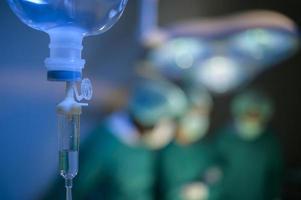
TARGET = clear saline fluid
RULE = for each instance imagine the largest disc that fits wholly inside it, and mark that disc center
(92, 16)
(68, 163)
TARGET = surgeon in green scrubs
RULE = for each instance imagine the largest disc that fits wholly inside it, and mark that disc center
(118, 161)
(250, 150)
(188, 166)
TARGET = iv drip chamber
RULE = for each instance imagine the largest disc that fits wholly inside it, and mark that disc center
(69, 111)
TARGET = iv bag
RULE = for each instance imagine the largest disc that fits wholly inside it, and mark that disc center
(92, 16)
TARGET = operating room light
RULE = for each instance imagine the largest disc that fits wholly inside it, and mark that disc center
(177, 55)
(264, 45)
(219, 74)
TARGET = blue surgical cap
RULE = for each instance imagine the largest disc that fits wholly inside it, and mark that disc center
(154, 100)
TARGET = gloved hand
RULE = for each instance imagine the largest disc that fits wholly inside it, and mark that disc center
(195, 191)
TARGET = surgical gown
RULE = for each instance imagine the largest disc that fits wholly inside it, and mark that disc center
(182, 165)
(253, 169)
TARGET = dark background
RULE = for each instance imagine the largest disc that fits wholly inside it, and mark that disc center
(28, 143)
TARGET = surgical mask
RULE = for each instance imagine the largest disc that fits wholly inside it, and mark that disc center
(249, 130)
(160, 135)
(193, 127)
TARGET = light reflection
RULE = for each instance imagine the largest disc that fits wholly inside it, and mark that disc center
(184, 60)
(220, 74)
(37, 1)
(179, 54)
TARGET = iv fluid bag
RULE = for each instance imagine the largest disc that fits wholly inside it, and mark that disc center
(92, 16)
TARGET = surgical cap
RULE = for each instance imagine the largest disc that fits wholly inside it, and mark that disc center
(154, 100)
(252, 100)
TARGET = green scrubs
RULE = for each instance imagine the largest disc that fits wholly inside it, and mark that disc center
(110, 169)
(183, 165)
(253, 169)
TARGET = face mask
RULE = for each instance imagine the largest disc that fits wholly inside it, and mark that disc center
(193, 127)
(249, 130)
(160, 135)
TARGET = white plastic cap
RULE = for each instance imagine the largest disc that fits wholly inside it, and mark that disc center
(65, 50)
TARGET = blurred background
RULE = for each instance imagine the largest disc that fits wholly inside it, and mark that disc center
(28, 144)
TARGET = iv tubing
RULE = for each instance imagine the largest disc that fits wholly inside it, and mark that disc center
(68, 185)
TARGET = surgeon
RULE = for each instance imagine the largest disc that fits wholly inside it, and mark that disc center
(118, 162)
(188, 166)
(250, 150)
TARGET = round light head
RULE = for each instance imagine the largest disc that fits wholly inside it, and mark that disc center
(264, 46)
(220, 74)
(178, 55)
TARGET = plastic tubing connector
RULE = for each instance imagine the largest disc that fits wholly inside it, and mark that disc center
(65, 61)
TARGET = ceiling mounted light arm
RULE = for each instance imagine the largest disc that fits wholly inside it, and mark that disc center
(149, 32)
(148, 17)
